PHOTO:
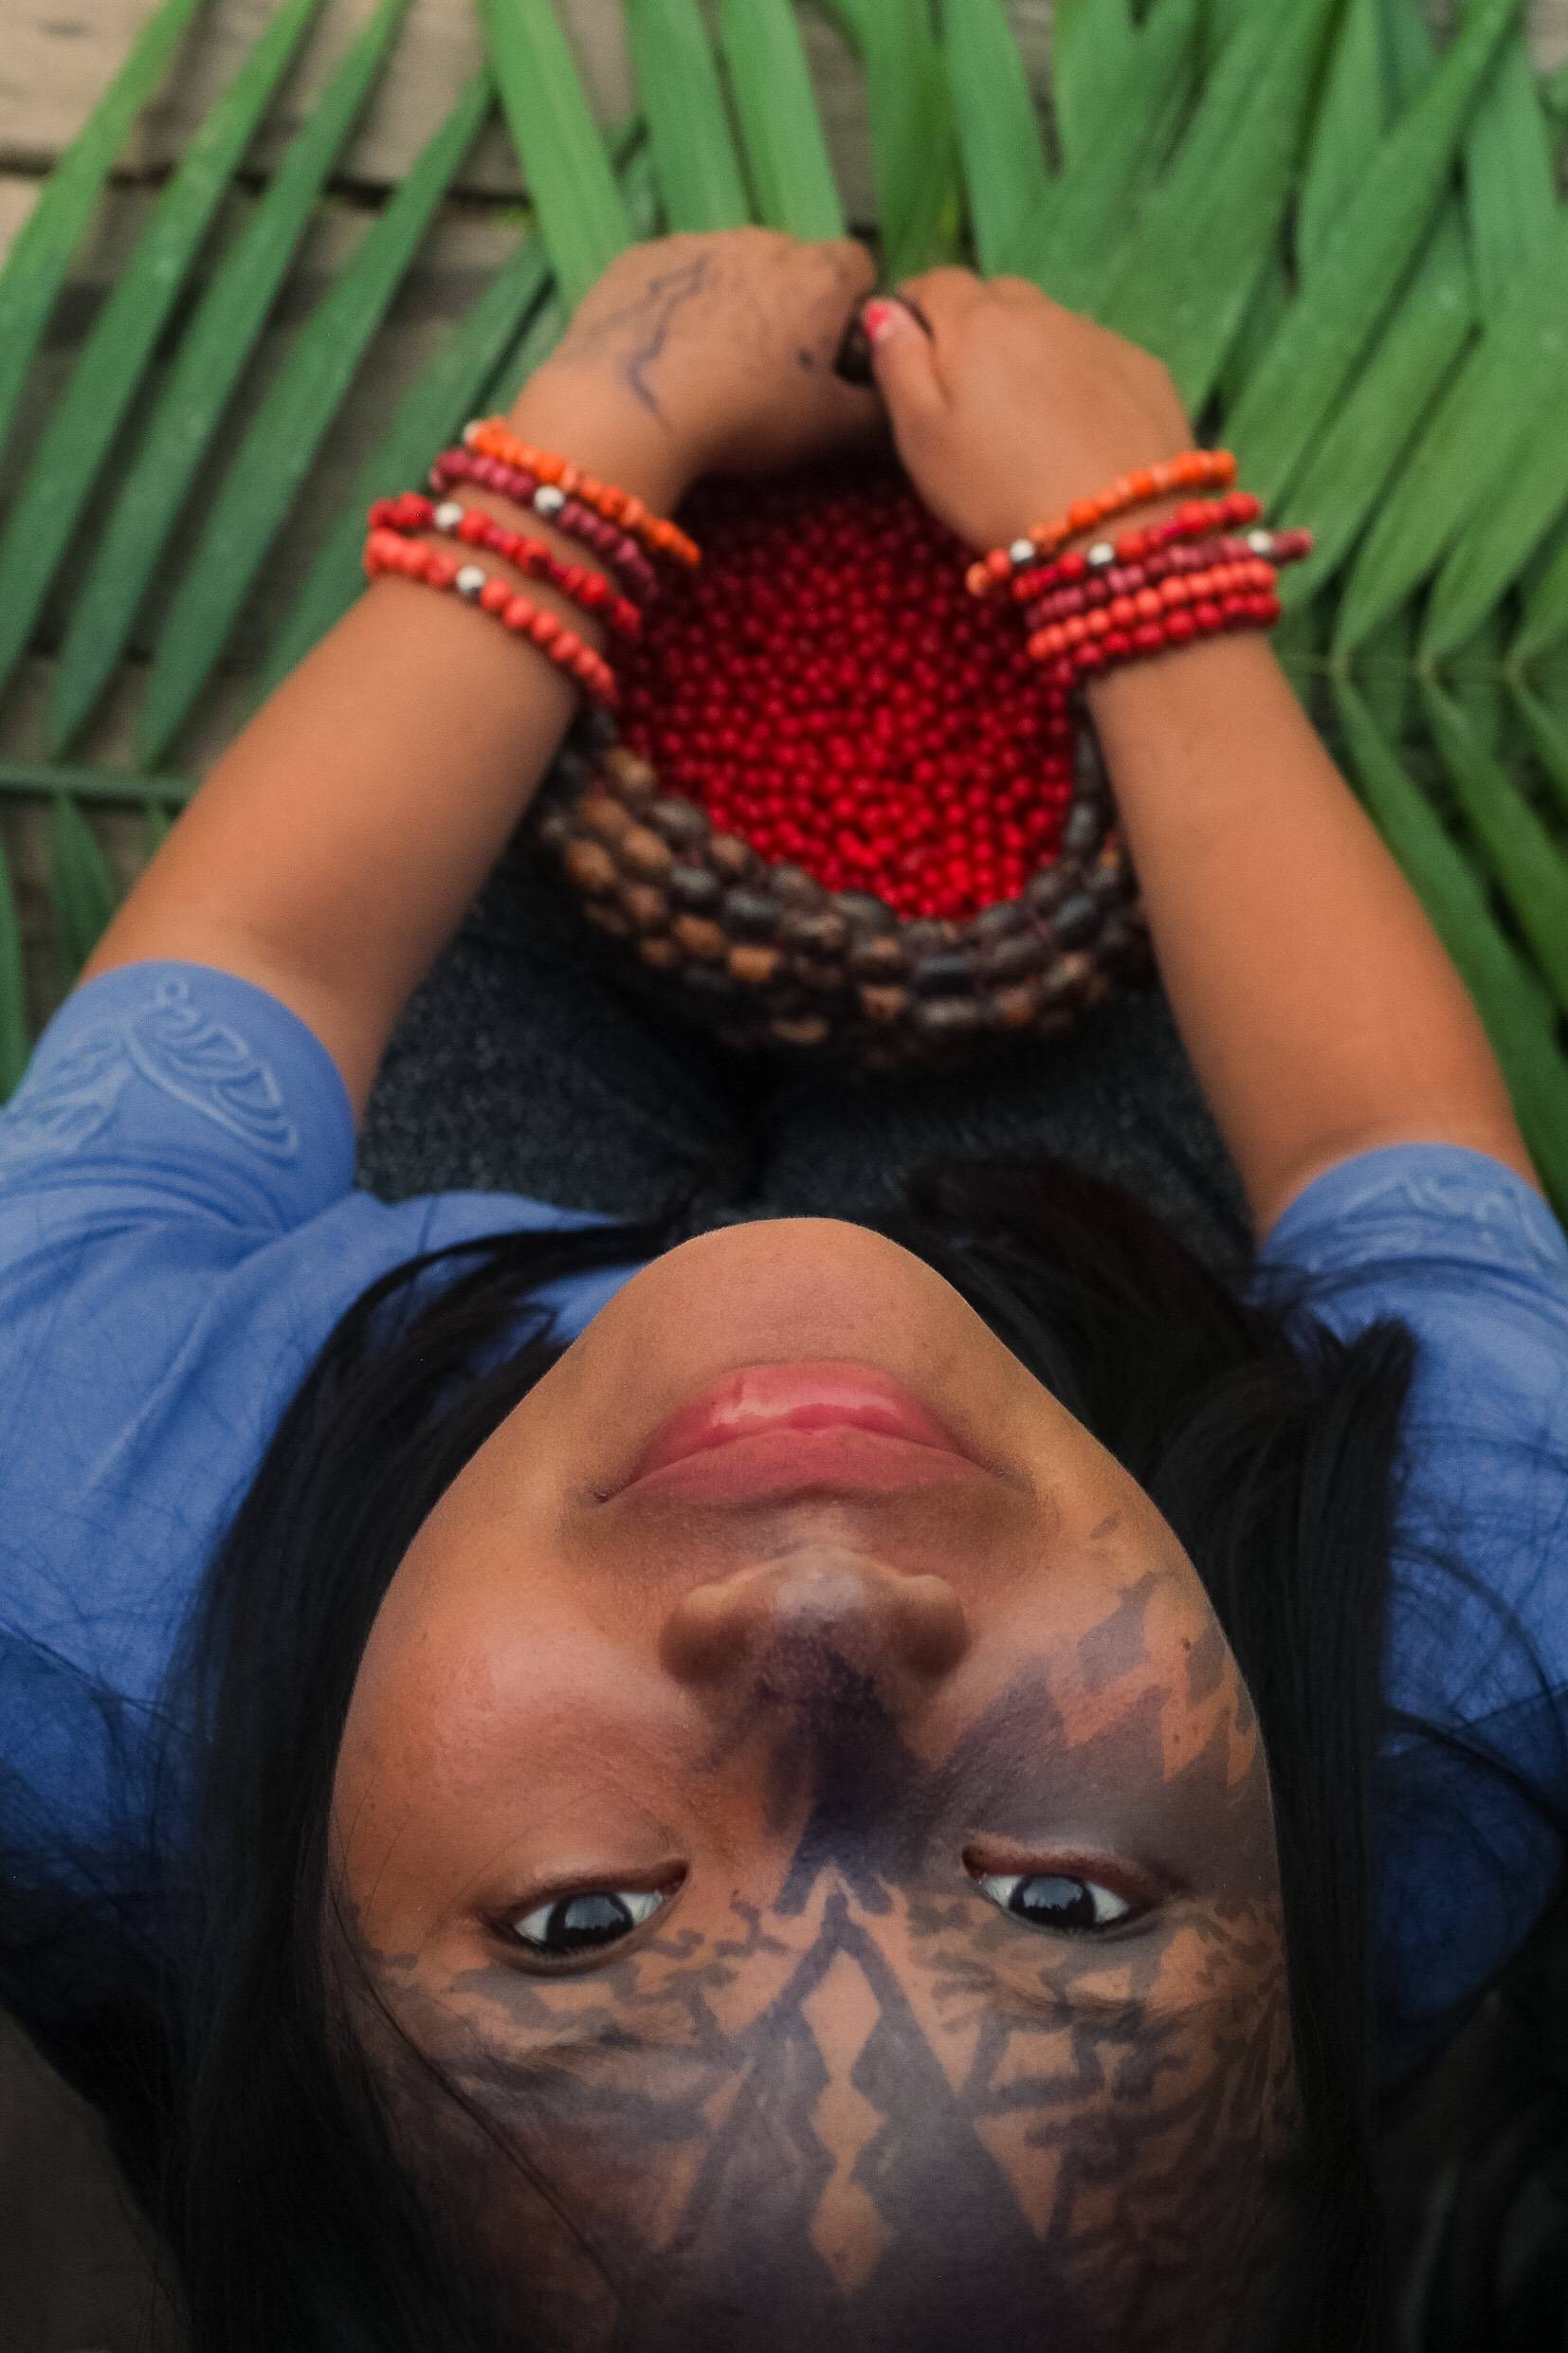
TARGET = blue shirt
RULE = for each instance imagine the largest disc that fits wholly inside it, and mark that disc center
(180, 1230)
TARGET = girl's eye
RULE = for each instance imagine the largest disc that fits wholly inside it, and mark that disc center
(573, 1925)
(1077, 1907)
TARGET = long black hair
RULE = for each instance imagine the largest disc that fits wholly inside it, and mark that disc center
(256, 2134)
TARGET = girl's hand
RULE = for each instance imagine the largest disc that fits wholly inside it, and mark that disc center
(1012, 408)
(707, 354)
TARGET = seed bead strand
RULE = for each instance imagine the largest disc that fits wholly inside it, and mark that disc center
(493, 438)
(1097, 649)
(1196, 469)
(569, 516)
(1156, 582)
(389, 550)
(1124, 613)
(411, 513)
(1129, 579)
(1200, 519)
(1273, 550)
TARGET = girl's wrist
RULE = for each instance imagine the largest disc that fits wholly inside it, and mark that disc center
(606, 431)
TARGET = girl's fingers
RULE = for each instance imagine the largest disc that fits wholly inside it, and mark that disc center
(941, 299)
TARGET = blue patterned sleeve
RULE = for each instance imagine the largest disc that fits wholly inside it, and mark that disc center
(1471, 1259)
(180, 1083)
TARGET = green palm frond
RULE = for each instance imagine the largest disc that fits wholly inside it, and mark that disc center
(41, 256)
(1347, 241)
(210, 359)
(785, 145)
(275, 454)
(696, 159)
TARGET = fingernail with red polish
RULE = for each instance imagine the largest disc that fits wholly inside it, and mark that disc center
(879, 319)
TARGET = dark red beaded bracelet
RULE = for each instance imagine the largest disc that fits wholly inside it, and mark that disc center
(411, 512)
(1181, 592)
(1209, 618)
(570, 516)
(1199, 518)
(1274, 547)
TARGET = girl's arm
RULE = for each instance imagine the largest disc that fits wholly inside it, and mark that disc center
(1318, 1007)
(332, 852)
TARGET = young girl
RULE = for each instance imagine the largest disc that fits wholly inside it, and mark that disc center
(743, 1780)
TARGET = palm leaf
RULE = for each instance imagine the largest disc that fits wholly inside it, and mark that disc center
(1347, 125)
(1091, 52)
(1336, 488)
(1070, 238)
(15, 1046)
(914, 141)
(1517, 1012)
(1007, 180)
(36, 265)
(1547, 730)
(1492, 551)
(1376, 238)
(1545, 621)
(1529, 869)
(1469, 445)
(280, 443)
(84, 892)
(108, 372)
(694, 159)
(1509, 184)
(782, 134)
(208, 365)
(1183, 281)
(565, 164)
(456, 384)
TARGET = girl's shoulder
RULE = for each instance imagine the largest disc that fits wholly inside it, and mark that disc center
(179, 1231)
(1474, 1779)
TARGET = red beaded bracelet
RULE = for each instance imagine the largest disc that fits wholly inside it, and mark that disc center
(494, 438)
(1200, 519)
(388, 551)
(411, 513)
(1253, 579)
(1196, 469)
(1129, 579)
(619, 550)
(1276, 549)
(1181, 626)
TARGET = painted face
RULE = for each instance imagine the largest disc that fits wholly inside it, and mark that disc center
(856, 1906)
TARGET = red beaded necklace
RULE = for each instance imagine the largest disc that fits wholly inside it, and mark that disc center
(825, 686)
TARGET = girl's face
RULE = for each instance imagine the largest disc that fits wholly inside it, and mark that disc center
(801, 1876)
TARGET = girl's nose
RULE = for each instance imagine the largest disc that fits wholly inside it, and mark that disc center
(902, 1634)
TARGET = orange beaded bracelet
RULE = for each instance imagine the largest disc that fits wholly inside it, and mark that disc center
(388, 551)
(493, 438)
(411, 512)
(1197, 469)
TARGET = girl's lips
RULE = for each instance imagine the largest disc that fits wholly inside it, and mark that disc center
(777, 1426)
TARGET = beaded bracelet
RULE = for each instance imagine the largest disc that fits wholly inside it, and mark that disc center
(1276, 549)
(1253, 579)
(1208, 617)
(569, 516)
(388, 551)
(411, 513)
(1129, 579)
(493, 438)
(1200, 519)
(1197, 469)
